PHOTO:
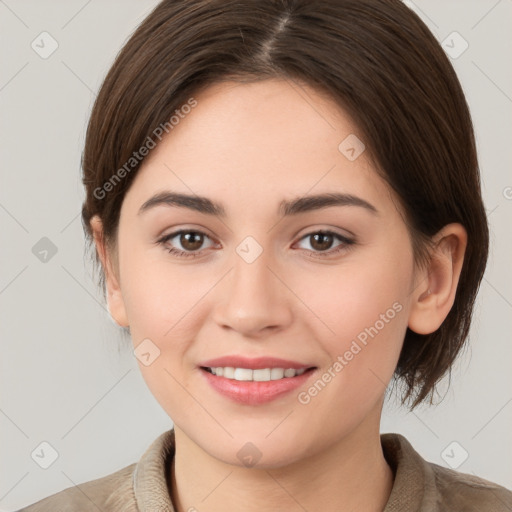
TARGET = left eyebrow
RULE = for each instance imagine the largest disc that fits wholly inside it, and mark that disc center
(205, 205)
(316, 202)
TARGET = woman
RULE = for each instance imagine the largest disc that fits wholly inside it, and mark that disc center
(286, 222)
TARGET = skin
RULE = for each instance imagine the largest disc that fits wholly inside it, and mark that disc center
(249, 146)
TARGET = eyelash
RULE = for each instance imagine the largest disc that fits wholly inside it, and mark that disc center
(346, 244)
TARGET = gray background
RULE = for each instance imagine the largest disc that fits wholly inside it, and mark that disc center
(65, 378)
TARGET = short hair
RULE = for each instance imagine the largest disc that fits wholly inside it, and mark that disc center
(375, 58)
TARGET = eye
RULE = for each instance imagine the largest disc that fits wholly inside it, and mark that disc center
(189, 239)
(192, 241)
(321, 242)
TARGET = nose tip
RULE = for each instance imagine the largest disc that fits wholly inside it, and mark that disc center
(252, 299)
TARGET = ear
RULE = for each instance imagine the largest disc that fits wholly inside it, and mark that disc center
(433, 297)
(115, 300)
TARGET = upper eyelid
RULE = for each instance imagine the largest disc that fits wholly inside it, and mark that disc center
(173, 234)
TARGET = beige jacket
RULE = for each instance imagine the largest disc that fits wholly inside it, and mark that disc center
(419, 486)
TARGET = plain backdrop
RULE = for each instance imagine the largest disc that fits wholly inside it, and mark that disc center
(65, 377)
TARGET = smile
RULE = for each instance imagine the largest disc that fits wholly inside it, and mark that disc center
(252, 387)
(259, 375)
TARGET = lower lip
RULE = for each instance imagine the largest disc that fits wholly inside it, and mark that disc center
(254, 393)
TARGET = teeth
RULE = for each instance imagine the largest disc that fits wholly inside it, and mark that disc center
(276, 373)
(229, 372)
(260, 375)
(241, 374)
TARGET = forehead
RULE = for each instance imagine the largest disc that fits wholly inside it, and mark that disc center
(273, 137)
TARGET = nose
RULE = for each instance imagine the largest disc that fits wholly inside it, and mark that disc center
(253, 299)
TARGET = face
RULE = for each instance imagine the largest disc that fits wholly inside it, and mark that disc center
(324, 285)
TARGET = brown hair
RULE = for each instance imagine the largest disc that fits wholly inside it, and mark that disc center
(381, 64)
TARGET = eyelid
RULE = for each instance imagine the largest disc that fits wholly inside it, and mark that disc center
(169, 236)
(346, 243)
(315, 228)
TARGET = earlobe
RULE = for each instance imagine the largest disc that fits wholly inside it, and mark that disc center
(434, 296)
(115, 300)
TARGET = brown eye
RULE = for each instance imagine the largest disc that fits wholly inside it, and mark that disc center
(191, 240)
(189, 243)
(321, 241)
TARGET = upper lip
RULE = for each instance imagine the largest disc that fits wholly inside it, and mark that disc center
(253, 363)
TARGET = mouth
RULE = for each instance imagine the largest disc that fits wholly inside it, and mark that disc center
(255, 381)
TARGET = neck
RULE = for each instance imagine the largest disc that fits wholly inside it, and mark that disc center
(350, 475)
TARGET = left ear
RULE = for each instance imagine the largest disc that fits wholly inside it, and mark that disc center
(433, 298)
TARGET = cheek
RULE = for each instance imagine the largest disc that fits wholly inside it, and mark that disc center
(167, 303)
(161, 297)
(365, 307)
(359, 293)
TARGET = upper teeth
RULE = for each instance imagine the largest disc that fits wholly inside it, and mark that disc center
(260, 375)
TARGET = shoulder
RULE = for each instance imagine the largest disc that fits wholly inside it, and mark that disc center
(111, 492)
(143, 482)
(469, 492)
(423, 486)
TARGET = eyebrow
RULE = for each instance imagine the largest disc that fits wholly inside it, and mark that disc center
(206, 206)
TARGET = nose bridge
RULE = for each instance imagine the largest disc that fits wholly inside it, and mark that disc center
(255, 298)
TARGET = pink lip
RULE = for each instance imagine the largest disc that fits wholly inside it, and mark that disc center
(255, 393)
(253, 363)
(250, 392)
